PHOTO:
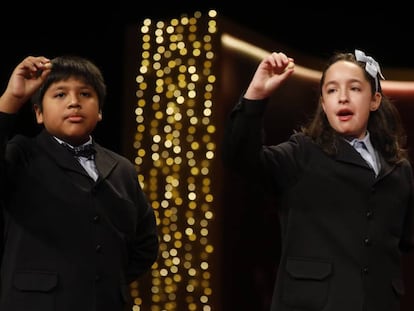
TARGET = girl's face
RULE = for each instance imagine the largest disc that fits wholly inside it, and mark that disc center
(70, 110)
(347, 99)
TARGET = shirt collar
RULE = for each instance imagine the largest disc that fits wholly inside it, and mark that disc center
(63, 142)
(366, 140)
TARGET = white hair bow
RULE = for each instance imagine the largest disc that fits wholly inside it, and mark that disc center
(371, 66)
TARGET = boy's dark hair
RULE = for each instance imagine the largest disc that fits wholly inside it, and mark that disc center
(65, 67)
(384, 125)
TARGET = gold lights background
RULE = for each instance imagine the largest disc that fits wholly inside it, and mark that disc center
(175, 147)
(176, 129)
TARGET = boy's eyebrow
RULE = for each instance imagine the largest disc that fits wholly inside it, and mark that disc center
(57, 86)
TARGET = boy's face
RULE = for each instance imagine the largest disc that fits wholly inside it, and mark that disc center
(70, 110)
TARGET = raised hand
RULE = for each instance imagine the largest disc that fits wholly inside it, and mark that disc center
(25, 79)
(269, 75)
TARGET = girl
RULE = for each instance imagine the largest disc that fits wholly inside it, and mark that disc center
(346, 215)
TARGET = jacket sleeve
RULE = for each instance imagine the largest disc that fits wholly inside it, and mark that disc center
(407, 237)
(144, 247)
(243, 136)
(7, 122)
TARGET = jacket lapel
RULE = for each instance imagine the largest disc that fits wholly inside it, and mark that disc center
(347, 153)
(104, 160)
(58, 153)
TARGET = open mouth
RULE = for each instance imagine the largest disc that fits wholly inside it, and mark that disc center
(345, 114)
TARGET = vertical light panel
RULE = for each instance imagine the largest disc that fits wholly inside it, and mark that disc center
(175, 148)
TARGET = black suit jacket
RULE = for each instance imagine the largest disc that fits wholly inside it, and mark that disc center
(70, 243)
(342, 228)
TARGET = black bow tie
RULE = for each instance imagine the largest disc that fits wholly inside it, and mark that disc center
(87, 151)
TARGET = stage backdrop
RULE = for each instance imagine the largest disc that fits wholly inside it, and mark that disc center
(219, 243)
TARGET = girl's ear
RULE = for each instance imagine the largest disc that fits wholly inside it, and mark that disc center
(322, 103)
(376, 101)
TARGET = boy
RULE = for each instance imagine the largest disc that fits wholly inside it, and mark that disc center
(77, 227)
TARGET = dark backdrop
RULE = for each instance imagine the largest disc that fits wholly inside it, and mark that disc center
(97, 32)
